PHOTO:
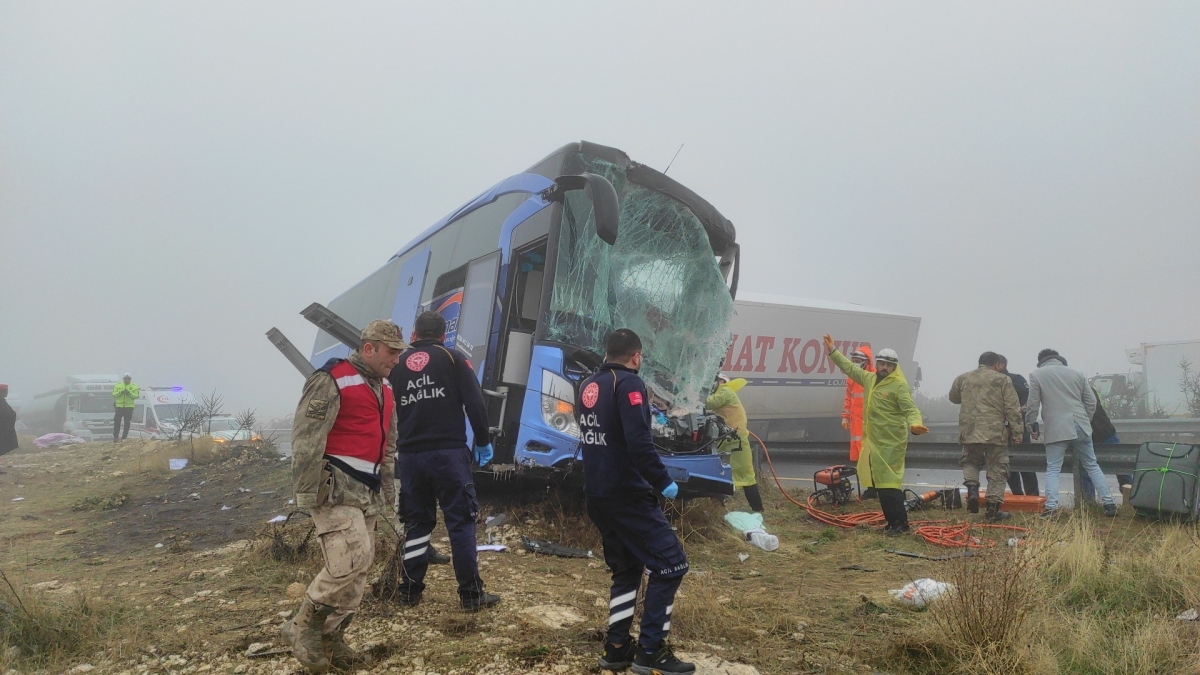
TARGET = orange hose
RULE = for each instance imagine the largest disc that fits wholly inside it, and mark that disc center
(932, 531)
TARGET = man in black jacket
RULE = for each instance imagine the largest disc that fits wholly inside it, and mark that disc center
(8, 423)
(433, 387)
(622, 479)
(1020, 482)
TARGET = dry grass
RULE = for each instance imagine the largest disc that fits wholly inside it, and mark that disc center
(1072, 603)
(40, 631)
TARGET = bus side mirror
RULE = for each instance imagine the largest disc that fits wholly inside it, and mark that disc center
(603, 196)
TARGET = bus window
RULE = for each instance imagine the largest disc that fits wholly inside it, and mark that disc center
(475, 318)
(471, 236)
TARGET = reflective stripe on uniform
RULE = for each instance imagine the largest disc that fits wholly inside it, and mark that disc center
(416, 542)
(624, 614)
(413, 554)
(622, 599)
(349, 381)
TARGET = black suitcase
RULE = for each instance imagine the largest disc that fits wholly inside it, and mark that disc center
(1166, 482)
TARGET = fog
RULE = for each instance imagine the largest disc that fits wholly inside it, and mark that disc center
(175, 179)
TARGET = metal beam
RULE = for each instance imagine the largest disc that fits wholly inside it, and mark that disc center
(324, 318)
(293, 355)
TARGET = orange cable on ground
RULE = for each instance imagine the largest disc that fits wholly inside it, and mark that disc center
(932, 531)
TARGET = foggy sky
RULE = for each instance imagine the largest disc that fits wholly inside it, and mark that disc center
(177, 178)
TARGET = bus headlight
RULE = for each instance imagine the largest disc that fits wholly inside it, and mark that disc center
(558, 410)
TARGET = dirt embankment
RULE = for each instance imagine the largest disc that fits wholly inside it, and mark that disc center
(118, 564)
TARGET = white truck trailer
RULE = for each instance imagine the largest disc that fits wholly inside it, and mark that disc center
(1159, 385)
(794, 391)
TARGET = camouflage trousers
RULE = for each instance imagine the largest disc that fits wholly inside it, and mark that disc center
(347, 537)
(992, 458)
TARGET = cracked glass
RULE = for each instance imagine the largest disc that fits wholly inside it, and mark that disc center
(660, 280)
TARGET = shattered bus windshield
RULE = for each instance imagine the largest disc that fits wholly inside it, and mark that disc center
(660, 279)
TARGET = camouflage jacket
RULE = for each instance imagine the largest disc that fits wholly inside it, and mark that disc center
(991, 412)
(318, 409)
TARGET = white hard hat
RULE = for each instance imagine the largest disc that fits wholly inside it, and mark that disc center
(888, 355)
(722, 377)
(126, 375)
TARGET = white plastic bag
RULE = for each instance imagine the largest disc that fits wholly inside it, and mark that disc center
(921, 592)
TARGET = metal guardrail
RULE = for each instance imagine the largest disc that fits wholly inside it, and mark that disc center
(1169, 426)
(1115, 458)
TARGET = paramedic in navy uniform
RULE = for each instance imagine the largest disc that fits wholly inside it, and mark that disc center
(433, 386)
(623, 476)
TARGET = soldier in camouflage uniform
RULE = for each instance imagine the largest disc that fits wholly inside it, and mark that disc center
(341, 472)
(989, 420)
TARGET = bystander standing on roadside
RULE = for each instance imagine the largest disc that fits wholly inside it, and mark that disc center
(1066, 403)
(990, 408)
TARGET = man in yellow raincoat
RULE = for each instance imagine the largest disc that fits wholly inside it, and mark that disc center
(724, 401)
(889, 415)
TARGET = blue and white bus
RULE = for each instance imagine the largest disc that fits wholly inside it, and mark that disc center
(531, 276)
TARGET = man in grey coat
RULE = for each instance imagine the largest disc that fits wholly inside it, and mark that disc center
(1066, 403)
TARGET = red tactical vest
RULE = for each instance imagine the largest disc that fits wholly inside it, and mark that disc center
(359, 435)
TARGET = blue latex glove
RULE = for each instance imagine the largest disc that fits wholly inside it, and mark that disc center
(483, 454)
(671, 491)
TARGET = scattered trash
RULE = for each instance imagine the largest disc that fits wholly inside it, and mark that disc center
(857, 568)
(178, 464)
(1015, 541)
(277, 519)
(751, 527)
(291, 502)
(921, 592)
(1190, 615)
(18, 499)
(922, 556)
(550, 548)
(54, 440)
(194, 496)
(158, 545)
(491, 547)
(224, 508)
(267, 492)
(69, 530)
(743, 557)
(496, 521)
(243, 490)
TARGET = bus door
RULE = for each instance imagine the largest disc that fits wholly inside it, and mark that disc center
(479, 303)
(408, 293)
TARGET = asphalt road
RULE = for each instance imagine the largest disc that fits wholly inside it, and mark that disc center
(793, 472)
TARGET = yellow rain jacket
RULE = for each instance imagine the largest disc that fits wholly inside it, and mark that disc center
(124, 395)
(725, 402)
(887, 415)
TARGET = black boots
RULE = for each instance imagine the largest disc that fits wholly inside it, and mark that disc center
(972, 497)
(661, 662)
(994, 514)
(482, 601)
(619, 658)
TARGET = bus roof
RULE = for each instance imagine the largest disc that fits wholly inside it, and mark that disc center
(720, 230)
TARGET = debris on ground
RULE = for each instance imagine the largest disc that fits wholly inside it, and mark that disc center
(1190, 615)
(750, 525)
(56, 440)
(921, 592)
(550, 548)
